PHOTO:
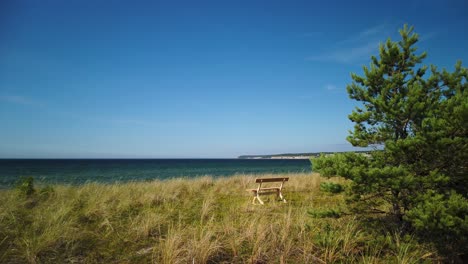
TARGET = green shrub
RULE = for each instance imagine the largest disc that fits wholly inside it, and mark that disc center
(25, 186)
(326, 213)
(442, 218)
(331, 187)
(46, 192)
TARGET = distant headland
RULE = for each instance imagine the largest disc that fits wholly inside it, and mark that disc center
(295, 155)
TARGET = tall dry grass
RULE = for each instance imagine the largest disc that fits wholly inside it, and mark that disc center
(202, 220)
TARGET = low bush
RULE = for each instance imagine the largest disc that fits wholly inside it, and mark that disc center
(331, 187)
(25, 186)
(325, 213)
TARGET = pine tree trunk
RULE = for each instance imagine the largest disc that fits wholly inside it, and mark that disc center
(396, 209)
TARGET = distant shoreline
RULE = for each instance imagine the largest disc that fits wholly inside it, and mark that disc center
(297, 155)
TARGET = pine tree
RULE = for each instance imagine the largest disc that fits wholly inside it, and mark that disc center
(419, 120)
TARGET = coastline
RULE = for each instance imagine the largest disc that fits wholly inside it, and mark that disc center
(278, 157)
(299, 155)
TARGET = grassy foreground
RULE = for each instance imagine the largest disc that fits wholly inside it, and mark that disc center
(201, 220)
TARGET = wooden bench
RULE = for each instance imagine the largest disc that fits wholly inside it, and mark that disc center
(268, 190)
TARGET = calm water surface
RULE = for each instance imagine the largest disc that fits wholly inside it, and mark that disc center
(78, 171)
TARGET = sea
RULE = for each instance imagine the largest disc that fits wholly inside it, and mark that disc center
(80, 171)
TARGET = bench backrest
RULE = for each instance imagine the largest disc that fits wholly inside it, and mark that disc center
(260, 180)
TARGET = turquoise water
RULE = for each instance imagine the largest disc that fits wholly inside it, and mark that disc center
(79, 171)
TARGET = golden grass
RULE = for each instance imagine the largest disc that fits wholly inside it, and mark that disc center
(202, 220)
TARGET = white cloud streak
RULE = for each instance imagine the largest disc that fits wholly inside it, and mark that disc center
(348, 55)
(372, 31)
(20, 100)
(330, 87)
(359, 47)
(366, 34)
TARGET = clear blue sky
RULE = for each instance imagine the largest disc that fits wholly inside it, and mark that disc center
(199, 79)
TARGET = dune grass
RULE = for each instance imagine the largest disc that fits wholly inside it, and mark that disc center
(202, 220)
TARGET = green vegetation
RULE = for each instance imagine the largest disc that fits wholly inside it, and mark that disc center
(420, 119)
(331, 187)
(204, 220)
(25, 186)
(324, 213)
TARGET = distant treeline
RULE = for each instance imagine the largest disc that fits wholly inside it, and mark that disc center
(311, 154)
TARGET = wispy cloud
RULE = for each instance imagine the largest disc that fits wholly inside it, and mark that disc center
(132, 122)
(348, 55)
(116, 120)
(366, 34)
(330, 87)
(358, 47)
(149, 123)
(428, 36)
(20, 100)
(372, 30)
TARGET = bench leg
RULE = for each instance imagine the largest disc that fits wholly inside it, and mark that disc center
(260, 200)
(281, 196)
(257, 197)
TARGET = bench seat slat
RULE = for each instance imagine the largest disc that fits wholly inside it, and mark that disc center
(271, 180)
(269, 188)
(264, 189)
(267, 191)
